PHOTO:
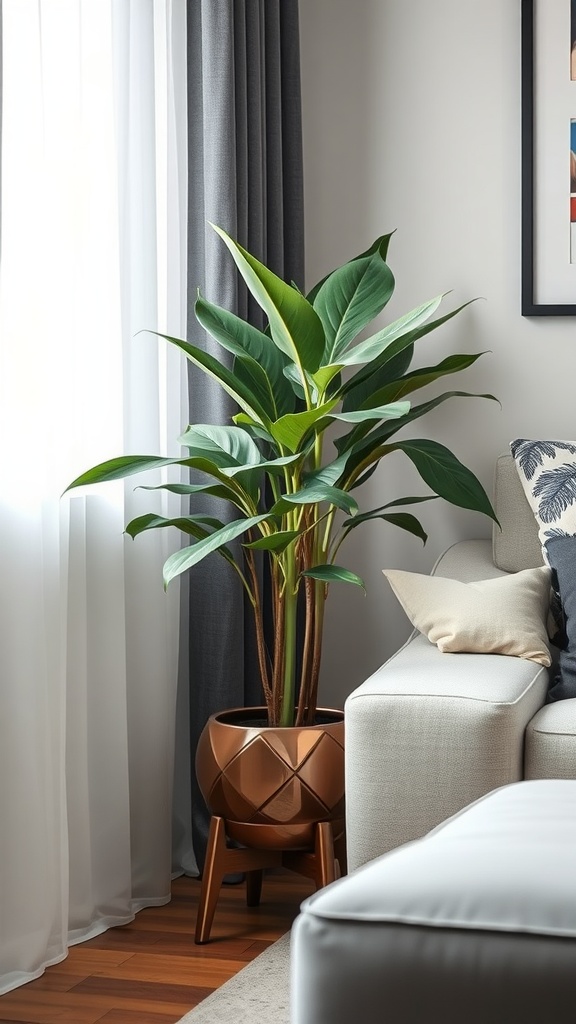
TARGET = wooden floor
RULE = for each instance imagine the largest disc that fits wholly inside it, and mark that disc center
(150, 971)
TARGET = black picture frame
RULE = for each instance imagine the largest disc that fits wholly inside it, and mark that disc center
(528, 306)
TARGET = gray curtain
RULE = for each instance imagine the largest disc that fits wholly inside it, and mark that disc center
(245, 175)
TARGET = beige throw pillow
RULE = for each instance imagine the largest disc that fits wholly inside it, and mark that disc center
(506, 615)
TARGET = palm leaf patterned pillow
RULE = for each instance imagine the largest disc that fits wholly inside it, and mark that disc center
(547, 470)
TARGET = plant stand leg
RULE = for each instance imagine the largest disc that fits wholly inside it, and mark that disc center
(214, 871)
(220, 860)
(340, 853)
(324, 854)
(253, 887)
(318, 864)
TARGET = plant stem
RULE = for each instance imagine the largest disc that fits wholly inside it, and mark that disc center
(307, 654)
(290, 621)
(243, 579)
(328, 530)
(337, 543)
(320, 600)
(278, 666)
(260, 641)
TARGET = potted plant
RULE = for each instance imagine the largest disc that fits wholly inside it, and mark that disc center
(294, 495)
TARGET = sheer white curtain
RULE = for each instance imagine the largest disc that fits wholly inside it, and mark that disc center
(93, 251)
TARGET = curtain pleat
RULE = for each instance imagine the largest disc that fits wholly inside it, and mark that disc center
(245, 175)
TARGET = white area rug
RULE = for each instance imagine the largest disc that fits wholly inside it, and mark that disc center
(258, 994)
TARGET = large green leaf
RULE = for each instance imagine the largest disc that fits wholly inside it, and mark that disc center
(250, 376)
(403, 520)
(295, 326)
(388, 365)
(253, 349)
(253, 427)
(391, 411)
(278, 541)
(211, 469)
(234, 453)
(420, 379)
(318, 492)
(350, 298)
(293, 374)
(372, 347)
(252, 477)
(193, 525)
(224, 446)
(329, 473)
(373, 377)
(379, 245)
(364, 449)
(275, 467)
(358, 443)
(446, 475)
(215, 490)
(227, 380)
(117, 469)
(363, 517)
(334, 573)
(219, 490)
(412, 382)
(406, 522)
(323, 377)
(188, 557)
(220, 451)
(289, 430)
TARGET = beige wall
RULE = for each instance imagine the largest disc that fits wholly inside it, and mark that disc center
(411, 121)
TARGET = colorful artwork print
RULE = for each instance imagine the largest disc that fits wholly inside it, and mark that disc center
(572, 136)
(573, 191)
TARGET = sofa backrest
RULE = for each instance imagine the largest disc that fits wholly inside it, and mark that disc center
(516, 545)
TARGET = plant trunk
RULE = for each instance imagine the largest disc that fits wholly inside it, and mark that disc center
(321, 592)
(278, 662)
(308, 651)
(290, 633)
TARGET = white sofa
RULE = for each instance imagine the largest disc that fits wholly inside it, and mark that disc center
(430, 732)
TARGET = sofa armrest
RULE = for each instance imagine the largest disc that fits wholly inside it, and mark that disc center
(468, 561)
(430, 732)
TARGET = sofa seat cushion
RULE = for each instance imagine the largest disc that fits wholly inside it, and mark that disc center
(477, 870)
(470, 923)
(550, 751)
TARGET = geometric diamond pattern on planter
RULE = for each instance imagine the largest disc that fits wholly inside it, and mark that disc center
(262, 775)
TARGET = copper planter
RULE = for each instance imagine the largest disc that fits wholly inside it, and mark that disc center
(273, 784)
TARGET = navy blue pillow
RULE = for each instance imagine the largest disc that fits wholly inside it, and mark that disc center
(561, 553)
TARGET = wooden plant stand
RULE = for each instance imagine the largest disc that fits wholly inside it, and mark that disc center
(320, 863)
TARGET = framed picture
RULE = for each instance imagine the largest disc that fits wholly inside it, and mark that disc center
(548, 157)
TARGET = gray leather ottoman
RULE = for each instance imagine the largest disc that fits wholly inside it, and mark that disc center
(475, 922)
